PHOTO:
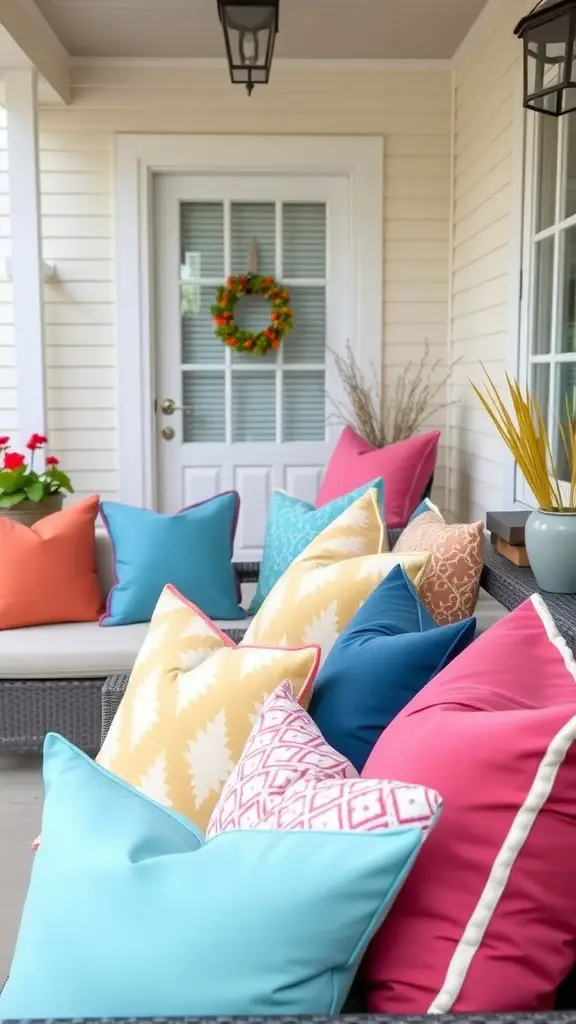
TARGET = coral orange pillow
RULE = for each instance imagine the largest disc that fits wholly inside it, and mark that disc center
(49, 569)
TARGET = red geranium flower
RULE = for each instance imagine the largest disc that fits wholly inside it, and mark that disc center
(4, 441)
(36, 441)
(51, 460)
(14, 460)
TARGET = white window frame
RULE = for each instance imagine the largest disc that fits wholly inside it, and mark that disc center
(138, 157)
(531, 237)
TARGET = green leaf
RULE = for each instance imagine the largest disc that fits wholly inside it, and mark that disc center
(12, 480)
(62, 479)
(10, 500)
(35, 491)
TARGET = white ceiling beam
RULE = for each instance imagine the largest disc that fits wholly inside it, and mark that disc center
(38, 43)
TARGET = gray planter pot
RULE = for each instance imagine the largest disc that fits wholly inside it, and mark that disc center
(551, 548)
(30, 512)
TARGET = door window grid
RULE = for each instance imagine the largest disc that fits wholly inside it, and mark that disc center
(289, 424)
(551, 326)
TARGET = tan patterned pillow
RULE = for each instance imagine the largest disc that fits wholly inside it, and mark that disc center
(190, 705)
(324, 588)
(449, 587)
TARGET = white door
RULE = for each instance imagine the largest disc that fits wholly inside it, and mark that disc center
(244, 422)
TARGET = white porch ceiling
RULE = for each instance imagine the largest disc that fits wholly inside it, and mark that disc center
(314, 29)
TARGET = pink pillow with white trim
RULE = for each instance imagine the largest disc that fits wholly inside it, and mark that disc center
(405, 467)
(486, 921)
(290, 778)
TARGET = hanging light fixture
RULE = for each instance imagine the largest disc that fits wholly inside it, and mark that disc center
(549, 36)
(250, 28)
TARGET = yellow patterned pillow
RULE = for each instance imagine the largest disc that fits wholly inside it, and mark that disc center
(324, 588)
(190, 705)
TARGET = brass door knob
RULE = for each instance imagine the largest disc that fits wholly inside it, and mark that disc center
(168, 433)
(168, 407)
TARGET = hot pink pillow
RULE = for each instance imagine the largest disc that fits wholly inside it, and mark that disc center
(487, 919)
(405, 467)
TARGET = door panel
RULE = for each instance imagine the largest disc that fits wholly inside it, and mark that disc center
(243, 422)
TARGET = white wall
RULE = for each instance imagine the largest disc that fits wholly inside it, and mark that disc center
(410, 108)
(485, 267)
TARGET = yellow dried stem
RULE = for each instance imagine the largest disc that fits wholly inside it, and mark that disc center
(526, 435)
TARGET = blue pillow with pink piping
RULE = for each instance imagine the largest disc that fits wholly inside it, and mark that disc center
(191, 550)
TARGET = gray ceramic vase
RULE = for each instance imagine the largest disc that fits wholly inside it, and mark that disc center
(551, 549)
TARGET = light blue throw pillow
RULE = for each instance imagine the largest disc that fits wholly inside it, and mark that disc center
(292, 525)
(191, 550)
(128, 916)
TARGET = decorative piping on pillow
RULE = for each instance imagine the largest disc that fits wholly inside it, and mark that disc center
(519, 831)
(553, 635)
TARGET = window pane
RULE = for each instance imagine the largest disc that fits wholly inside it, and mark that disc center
(568, 337)
(540, 387)
(571, 167)
(253, 221)
(304, 240)
(547, 169)
(306, 342)
(252, 313)
(199, 342)
(204, 415)
(565, 411)
(202, 239)
(254, 406)
(543, 296)
(304, 415)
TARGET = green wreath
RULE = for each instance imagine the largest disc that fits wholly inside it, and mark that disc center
(223, 313)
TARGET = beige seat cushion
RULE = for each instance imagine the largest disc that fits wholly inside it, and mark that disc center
(78, 650)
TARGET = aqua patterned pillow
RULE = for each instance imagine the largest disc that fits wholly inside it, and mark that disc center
(291, 526)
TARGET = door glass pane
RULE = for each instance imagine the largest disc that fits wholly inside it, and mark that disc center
(252, 313)
(199, 342)
(568, 337)
(304, 412)
(254, 406)
(204, 417)
(547, 169)
(306, 342)
(566, 405)
(540, 387)
(544, 256)
(571, 166)
(249, 221)
(304, 240)
(202, 240)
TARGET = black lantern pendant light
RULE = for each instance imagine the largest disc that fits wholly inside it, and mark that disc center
(250, 28)
(549, 35)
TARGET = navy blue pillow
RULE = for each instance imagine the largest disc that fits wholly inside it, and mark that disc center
(390, 650)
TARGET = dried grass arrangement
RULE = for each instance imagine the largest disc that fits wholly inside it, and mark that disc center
(525, 433)
(382, 418)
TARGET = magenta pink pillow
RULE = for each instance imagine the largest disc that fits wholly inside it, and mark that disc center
(487, 919)
(405, 467)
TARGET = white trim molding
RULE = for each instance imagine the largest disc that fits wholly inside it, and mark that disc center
(359, 160)
(26, 261)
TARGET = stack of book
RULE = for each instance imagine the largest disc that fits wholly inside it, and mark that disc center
(507, 535)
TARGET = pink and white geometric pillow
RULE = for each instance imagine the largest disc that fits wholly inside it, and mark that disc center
(353, 805)
(289, 778)
(284, 746)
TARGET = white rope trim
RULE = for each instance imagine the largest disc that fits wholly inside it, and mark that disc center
(519, 831)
